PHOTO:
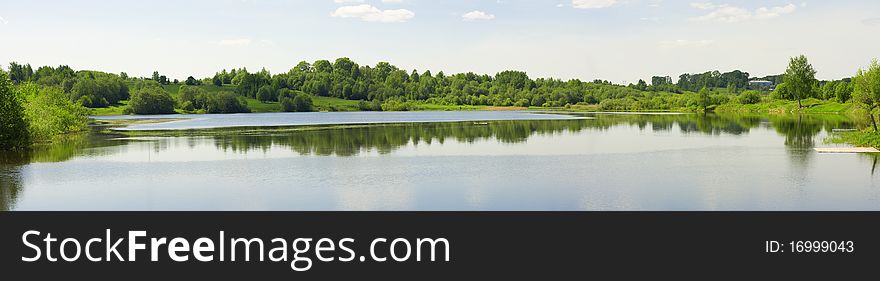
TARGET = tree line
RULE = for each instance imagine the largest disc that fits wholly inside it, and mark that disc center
(387, 87)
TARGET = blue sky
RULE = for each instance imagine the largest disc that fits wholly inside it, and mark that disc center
(618, 40)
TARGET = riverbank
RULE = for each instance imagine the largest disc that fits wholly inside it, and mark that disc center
(329, 104)
(864, 138)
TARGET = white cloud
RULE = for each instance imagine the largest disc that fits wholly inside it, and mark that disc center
(728, 13)
(235, 42)
(703, 5)
(686, 43)
(592, 4)
(477, 15)
(348, 1)
(372, 14)
(560, 5)
(392, 1)
(4, 21)
(767, 13)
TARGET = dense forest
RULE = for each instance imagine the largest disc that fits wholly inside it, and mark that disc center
(64, 94)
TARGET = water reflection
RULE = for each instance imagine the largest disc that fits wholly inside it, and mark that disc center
(10, 178)
(799, 134)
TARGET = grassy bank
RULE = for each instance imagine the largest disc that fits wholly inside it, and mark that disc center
(786, 106)
(766, 106)
(865, 138)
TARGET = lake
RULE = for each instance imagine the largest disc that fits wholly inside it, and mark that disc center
(448, 161)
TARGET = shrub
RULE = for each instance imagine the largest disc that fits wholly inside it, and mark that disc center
(266, 94)
(226, 102)
(300, 103)
(749, 97)
(398, 105)
(151, 100)
(195, 96)
(373, 105)
(285, 93)
(49, 113)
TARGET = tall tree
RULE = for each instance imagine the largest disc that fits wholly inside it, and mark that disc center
(800, 77)
(13, 127)
(866, 89)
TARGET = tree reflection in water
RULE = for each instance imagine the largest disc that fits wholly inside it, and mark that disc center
(799, 131)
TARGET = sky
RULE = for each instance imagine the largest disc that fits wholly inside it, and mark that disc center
(616, 40)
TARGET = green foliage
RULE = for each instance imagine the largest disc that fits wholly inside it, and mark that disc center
(151, 100)
(862, 138)
(800, 79)
(50, 114)
(866, 84)
(97, 89)
(749, 97)
(843, 91)
(703, 99)
(300, 103)
(191, 98)
(866, 89)
(266, 94)
(398, 105)
(374, 105)
(13, 126)
(226, 102)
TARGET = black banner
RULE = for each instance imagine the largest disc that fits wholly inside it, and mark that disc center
(491, 245)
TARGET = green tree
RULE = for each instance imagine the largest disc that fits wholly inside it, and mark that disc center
(151, 100)
(843, 91)
(266, 94)
(800, 78)
(226, 102)
(302, 102)
(866, 89)
(703, 99)
(13, 126)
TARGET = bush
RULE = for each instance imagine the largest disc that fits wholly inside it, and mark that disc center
(13, 127)
(266, 94)
(749, 97)
(151, 100)
(187, 106)
(195, 96)
(50, 114)
(374, 105)
(300, 103)
(226, 102)
(398, 105)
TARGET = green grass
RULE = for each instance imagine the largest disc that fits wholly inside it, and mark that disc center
(786, 106)
(258, 106)
(334, 104)
(439, 107)
(112, 110)
(867, 137)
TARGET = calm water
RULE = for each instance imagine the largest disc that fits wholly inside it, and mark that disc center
(608, 162)
(327, 118)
